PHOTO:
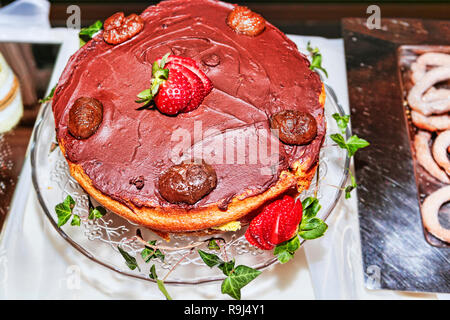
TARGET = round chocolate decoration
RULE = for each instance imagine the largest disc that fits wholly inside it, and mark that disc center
(187, 182)
(294, 127)
(85, 116)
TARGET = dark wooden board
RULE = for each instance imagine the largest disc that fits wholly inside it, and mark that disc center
(392, 236)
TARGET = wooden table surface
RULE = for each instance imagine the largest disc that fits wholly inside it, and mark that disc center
(306, 18)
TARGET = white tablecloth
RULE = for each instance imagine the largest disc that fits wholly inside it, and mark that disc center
(35, 262)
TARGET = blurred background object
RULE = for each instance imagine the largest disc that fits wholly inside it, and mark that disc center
(32, 65)
(11, 107)
(25, 13)
(317, 18)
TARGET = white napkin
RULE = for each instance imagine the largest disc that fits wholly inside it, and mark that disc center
(35, 262)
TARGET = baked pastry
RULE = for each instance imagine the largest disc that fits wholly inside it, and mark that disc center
(11, 107)
(132, 159)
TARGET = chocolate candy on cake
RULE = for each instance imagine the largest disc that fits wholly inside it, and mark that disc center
(187, 182)
(85, 116)
(119, 28)
(294, 127)
(245, 21)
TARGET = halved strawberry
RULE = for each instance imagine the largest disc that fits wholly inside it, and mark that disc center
(286, 223)
(198, 90)
(256, 231)
(192, 65)
(277, 223)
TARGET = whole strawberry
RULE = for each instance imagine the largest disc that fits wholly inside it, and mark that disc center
(277, 223)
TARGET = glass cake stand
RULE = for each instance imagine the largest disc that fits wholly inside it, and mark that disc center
(98, 239)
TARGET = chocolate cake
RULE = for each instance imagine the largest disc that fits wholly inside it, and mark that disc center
(131, 157)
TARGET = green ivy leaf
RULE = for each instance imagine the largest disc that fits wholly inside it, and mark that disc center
(76, 221)
(210, 259)
(149, 253)
(316, 59)
(212, 245)
(160, 283)
(87, 33)
(351, 187)
(240, 277)
(64, 210)
(227, 267)
(342, 121)
(339, 139)
(49, 97)
(353, 144)
(163, 289)
(96, 213)
(129, 260)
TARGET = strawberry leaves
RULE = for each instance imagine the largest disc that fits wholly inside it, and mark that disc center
(237, 277)
(159, 75)
(309, 228)
(285, 251)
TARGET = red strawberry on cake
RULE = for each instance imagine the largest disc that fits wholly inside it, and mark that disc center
(178, 85)
(277, 223)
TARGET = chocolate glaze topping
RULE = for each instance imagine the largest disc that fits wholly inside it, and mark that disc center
(253, 78)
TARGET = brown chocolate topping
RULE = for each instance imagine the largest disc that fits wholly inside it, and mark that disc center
(256, 77)
(187, 182)
(139, 182)
(294, 127)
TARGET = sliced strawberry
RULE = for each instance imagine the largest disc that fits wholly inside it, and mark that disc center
(192, 65)
(256, 232)
(174, 94)
(286, 222)
(177, 85)
(198, 90)
(277, 223)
